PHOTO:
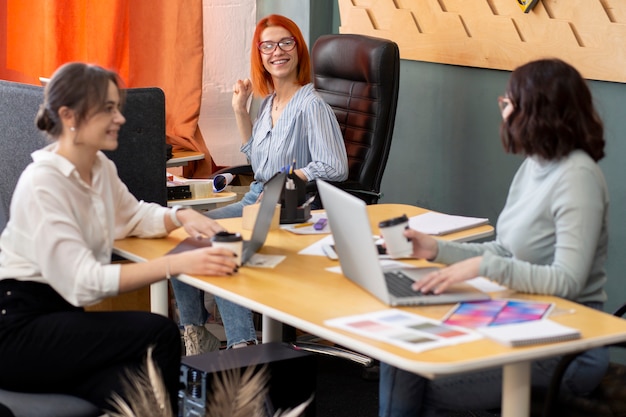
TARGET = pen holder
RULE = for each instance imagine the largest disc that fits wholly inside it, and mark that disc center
(293, 209)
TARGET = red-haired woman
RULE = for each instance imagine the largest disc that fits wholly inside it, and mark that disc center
(293, 122)
(294, 126)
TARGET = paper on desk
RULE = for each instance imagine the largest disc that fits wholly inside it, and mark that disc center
(407, 330)
(316, 248)
(260, 260)
(183, 180)
(384, 263)
(434, 223)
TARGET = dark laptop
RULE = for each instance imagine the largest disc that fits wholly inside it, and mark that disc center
(271, 195)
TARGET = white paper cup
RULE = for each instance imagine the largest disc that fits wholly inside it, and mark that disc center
(398, 246)
(230, 241)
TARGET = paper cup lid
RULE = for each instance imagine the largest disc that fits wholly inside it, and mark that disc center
(394, 221)
(226, 237)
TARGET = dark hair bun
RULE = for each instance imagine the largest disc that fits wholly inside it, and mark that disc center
(43, 120)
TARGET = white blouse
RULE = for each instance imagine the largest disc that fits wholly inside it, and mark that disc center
(61, 230)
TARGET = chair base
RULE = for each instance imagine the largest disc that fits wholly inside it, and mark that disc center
(22, 404)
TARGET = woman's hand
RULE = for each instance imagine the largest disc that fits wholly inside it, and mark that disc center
(198, 225)
(204, 261)
(424, 246)
(242, 89)
(438, 281)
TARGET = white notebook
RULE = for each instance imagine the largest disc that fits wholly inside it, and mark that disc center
(530, 333)
(434, 223)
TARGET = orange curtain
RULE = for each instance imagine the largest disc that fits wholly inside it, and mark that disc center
(150, 43)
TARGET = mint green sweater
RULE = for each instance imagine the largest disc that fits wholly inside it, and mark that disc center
(551, 236)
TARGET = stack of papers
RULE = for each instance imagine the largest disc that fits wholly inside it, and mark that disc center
(434, 223)
(530, 333)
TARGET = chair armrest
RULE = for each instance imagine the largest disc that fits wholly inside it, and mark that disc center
(235, 170)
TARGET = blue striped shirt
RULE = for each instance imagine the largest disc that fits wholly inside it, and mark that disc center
(307, 132)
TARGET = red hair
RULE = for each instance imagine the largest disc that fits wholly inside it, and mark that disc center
(262, 83)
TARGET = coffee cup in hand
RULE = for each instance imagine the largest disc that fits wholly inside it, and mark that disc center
(398, 246)
(230, 241)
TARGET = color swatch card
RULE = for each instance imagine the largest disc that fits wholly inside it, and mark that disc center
(409, 331)
(496, 312)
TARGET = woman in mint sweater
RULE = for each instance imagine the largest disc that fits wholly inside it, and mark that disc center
(551, 236)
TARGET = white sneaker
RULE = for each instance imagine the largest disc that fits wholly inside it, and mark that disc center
(198, 340)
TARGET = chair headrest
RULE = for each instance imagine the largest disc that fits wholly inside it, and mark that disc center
(335, 55)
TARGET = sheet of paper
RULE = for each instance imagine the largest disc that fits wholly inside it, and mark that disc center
(384, 263)
(259, 260)
(407, 330)
(434, 223)
(316, 248)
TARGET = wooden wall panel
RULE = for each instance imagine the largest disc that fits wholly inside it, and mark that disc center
(589, 34)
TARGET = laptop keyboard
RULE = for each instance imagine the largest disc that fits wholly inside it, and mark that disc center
(399, 284)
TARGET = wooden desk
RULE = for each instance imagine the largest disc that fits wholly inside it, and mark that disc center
(206, 203)
(181, 158)
(303, 294)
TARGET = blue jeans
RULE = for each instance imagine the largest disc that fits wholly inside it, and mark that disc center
(237, 320)
(405, 394)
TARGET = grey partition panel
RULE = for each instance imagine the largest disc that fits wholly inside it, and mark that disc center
(140, 157)
(18, 136)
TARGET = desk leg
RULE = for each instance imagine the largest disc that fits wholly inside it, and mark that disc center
(272, 330)
(159, 298)
(516, 390)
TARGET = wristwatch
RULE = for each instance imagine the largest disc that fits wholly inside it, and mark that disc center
(173, 217)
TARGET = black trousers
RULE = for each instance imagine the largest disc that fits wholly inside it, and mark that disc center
(48, 345)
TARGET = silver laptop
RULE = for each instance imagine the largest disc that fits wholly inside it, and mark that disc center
(271, 196)
(358, 256)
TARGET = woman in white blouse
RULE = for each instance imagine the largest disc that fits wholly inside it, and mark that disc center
(68, 207)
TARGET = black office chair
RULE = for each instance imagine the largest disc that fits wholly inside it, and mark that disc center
(608, 400)
(358, 76)
(19, 138)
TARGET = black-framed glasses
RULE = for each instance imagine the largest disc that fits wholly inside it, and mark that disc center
(285, 44)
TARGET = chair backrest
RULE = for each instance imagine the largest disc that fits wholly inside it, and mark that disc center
(358, 76)
(19, 137)
(140, 157)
